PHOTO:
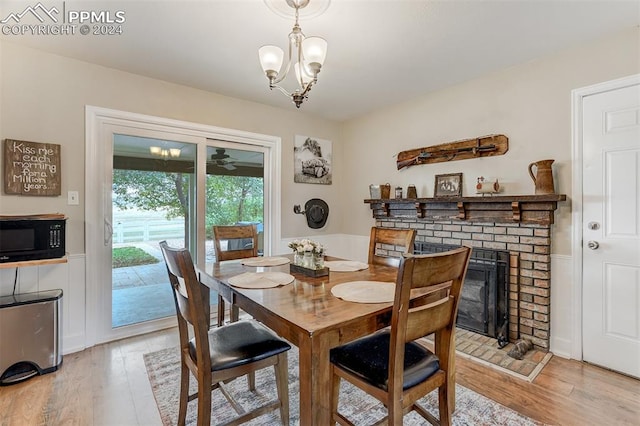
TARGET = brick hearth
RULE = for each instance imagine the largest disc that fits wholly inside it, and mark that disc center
(530, 276)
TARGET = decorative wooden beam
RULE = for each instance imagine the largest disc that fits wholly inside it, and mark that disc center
(483, 146)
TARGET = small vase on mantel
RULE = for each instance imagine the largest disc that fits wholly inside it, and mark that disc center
(543, 178)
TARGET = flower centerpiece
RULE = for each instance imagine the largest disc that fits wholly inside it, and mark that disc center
(307, 253)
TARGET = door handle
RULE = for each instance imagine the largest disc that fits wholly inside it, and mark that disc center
(593, 245)
(108, 231)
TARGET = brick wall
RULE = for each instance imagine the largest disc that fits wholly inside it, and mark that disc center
(529, 246)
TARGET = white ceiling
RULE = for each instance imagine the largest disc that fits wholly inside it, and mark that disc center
(380, 51)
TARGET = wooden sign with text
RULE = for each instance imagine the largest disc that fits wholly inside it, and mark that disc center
(31, 168)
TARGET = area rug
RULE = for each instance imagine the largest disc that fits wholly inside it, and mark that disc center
(164, 374)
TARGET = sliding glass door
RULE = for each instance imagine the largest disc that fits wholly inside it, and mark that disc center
(153, 189)
(234, 190)
(148, 180)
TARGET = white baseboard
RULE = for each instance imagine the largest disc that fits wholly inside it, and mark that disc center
(561, 347)
(73, 343)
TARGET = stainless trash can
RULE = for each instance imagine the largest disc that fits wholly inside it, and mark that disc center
(29, 335)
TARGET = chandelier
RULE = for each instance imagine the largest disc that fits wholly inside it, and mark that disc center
(163, 152)
(306, 56)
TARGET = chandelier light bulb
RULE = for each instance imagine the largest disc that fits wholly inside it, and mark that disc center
(271, 58)
(303, 72)
(314, 50)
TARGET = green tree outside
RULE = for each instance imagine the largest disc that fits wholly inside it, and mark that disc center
(229, 199)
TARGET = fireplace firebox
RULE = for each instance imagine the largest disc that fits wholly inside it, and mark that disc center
(483, 304)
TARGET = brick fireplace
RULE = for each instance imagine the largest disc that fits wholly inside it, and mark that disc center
(519, 225)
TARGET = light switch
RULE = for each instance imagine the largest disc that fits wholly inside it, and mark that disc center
(73, 199)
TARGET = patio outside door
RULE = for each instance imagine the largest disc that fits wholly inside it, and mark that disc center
(153, 184)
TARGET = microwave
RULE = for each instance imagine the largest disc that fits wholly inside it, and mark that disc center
(31, 238)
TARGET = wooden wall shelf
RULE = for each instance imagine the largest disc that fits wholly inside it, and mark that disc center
(497, 208)
(39, 262)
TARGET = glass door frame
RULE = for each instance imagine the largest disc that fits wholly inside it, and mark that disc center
(101, 124)
(134, 146)
(234, 146)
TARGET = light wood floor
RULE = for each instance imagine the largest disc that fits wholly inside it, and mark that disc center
(108, 385)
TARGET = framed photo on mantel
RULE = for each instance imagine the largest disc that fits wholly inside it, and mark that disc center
(31, 168)
(449, 185)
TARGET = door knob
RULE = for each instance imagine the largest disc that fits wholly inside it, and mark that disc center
(593, 245)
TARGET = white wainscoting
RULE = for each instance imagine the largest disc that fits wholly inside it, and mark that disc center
(352, 247)
(70, 277)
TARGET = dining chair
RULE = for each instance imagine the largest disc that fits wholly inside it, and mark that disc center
(237, 247)
(389, 364)
(385, 240)
(242, 241)
(217, 355)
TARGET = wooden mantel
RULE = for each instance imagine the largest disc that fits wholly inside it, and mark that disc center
(497, 208)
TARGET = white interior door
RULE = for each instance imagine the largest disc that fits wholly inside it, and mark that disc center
(611, 229)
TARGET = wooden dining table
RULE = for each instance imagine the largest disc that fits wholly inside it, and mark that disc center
(306, 314)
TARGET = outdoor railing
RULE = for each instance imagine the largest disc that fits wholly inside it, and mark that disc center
(148, 230)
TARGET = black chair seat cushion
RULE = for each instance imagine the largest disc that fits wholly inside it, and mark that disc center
(240, 343)
(368, 359)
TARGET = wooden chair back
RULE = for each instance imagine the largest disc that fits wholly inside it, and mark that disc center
(192, 308)
(234, 234)
(392, 239)
(427, 294)
(190, 296)
(420, 317)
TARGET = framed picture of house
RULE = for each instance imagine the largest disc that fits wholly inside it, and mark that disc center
(449, 185)
(312, 160)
